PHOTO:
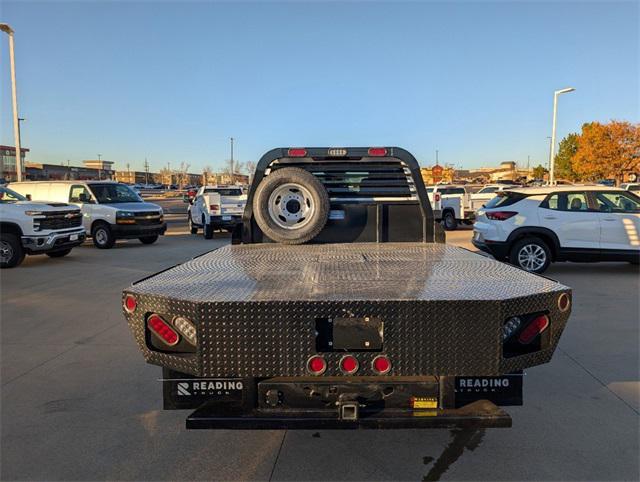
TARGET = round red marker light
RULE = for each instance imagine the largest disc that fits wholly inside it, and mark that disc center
(317, 365)
(130, 303)
(381, 364)
(349, 364)
(564, 302)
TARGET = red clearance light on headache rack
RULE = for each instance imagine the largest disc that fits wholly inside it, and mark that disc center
(533, 329)
(377, 151)
(161, 328)
(500, 215)
(130, 303)
(297, 152)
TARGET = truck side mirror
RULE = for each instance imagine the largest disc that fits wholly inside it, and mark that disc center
(28, 196)
(186, 199)
(83, 198)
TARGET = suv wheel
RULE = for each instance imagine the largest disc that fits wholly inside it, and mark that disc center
(530, 254)
(11, 252)
(102, 236)
(193, 229)
(449, 221)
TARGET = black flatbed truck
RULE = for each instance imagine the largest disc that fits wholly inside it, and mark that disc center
(338, 305)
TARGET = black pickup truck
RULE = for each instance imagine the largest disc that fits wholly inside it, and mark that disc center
(338, 305)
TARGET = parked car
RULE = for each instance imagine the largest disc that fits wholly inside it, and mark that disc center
(488, 192)
(631, 186)
(111, 210)
(450, 205)
(215, 207)
(34, 227)
(536, 226)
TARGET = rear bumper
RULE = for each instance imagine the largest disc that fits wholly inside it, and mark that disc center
(53, 241)
(480, 414)
(123, 231)
(219, 221)
(497, 249)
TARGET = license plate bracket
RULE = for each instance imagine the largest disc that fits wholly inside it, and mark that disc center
(349, 334)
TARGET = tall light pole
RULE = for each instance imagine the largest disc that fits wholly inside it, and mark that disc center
(552, 179)
(99, 166)
(14, 94)
(232, 177)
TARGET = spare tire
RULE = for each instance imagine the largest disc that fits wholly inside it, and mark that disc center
(291, 206)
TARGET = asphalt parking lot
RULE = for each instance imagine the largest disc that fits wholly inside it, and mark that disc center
(79, 403)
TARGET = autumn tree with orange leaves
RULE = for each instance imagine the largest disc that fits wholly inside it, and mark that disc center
(607, 151)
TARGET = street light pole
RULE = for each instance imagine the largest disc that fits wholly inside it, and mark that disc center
(232, 176)
(14, 94)
(99, 166)
(552, 179)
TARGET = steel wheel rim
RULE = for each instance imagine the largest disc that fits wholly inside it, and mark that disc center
(532, 257)
(101, 236)
(291, 206)
(6, 252)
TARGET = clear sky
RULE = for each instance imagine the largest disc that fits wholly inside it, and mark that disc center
(172, 81)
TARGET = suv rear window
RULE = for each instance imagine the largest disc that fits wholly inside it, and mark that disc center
(505, 198)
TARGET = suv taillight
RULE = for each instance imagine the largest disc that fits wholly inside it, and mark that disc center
(500, 215)
(436, 197)
(214, 207)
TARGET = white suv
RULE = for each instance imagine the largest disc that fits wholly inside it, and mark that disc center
(531, 227)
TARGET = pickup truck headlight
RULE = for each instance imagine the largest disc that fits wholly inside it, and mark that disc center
(125, 217)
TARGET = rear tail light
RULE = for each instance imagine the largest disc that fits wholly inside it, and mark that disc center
(349, 364)
(381, 365)
(187, 329)
(377, 151)
(510, 327)
(436, 197)
(500, 215)
(533, 329)
(214, 207)
(297, 152)
(130, 303)
(316, 365)
(161, 328)
(564, 302)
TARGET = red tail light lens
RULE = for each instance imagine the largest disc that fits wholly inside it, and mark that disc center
(349, 364)
(500, 215)
(377, 151)
(161, 328)
(130, 303)
(214, 207)
(297, 152)
(436, 197)
(316, 365)
(381, 365)
(533, 329)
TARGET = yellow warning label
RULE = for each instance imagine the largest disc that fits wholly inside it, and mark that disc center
(424, 402)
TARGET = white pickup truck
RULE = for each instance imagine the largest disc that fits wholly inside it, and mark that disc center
(215, 207)
(31, 227)
(450, 205)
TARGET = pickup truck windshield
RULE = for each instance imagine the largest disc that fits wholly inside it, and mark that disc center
(114, 193)
(224, 192)
(8, 196)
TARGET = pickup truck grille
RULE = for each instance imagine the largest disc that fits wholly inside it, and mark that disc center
(147, 218)
(59, 220)
(362, 182)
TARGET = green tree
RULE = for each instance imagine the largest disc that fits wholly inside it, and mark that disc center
(539, 172)
(564, 158)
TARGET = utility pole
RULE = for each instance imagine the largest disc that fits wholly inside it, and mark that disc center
(552, 178)
(14, 97)
(232, 170)
(437, 157)
(146, 171)
(99, 166)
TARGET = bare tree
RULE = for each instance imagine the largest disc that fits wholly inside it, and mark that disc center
(182, 176)
(208, 176)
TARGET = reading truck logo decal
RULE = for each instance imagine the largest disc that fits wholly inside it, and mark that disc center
(482, 384)
(209, 387)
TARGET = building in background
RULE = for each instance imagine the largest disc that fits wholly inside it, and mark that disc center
(104, 168)
(8, 162)
(36, 171)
